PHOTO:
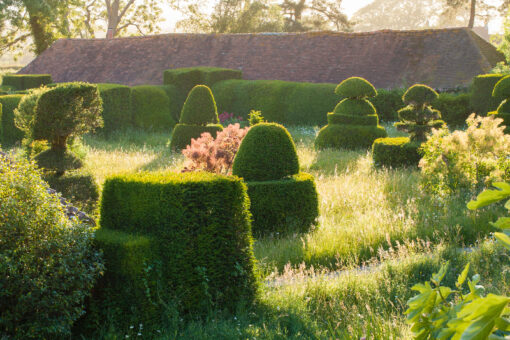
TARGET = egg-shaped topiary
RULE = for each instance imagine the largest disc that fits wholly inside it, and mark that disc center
(267, 153)
(355, 87)
(419, 95)
(200, 107)
(360, 107)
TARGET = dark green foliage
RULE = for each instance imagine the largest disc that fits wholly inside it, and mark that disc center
(151, 108)
(79, 188)
(419, 118)
(355, 87)
(176, 98)
(285, 206)
(454, 108)
(26, 81)
(59, 160)
(183, 133)
(419, 95)
(1, 123)
(10, 133)
(354, 123)
(344, 119)
(308, 103)
(482, 100)
(47, 265)
(506, 119)
(200, 107)
(348, 136)
(502, 89)
(267, 152)
(117, 111)
(193, 229)
(395, 152)
(387, 103)
(186, 78)
(355, 107)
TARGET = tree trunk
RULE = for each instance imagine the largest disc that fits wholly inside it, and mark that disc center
(39, 30)
(472, 14)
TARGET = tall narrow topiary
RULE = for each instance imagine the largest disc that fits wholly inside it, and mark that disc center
(282, 199)
(502, 92)
(418, 119)
(199, 114)
(354, 122)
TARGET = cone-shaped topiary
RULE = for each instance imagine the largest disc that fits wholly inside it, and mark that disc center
(354, 122)
(418, 118)
(198, 115)
(266, 153)
(282, 199)
(502, 92)
(200, 107)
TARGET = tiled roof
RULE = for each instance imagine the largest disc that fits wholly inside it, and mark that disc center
(440, 58)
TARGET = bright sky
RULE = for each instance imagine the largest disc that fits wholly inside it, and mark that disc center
(171, 16)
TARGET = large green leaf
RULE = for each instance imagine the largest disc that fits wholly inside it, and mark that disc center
(491, 196)
(502, 223)
(462, 277)
(504, 239)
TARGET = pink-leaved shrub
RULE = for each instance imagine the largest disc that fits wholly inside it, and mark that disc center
(214, 155)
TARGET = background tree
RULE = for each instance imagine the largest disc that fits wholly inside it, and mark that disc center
(307, 15)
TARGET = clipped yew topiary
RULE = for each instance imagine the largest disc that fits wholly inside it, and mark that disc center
(199, 114)
(354, 122)
(502, 92)
(282, 199)
(418, 119)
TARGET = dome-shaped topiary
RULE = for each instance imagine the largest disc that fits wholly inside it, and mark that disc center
(267, 152)
(200, 107)
(359, 107)
(419, 95)
(355, 87)
(502, 88)
(504, 107)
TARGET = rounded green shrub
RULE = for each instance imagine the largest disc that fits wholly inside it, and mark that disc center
(337, 136)
(355, 107)
(395, 152)
(267, 152)
(482, 87)
(419, 95)
(200, 107)
(183, 133)
(283, 206)
(47, 264)
(355, 87)
(502, 89)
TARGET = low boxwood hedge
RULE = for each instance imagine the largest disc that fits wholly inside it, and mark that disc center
(288, 205)
(187, 78)
(396, 152)
(10, 133)
(22, 82)
(192, 229)
(348, 136)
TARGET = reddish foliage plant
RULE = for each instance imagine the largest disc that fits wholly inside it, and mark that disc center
(214, 155)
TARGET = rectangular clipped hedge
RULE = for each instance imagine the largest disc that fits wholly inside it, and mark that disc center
(186, 78)
(10, 133)
(26, 81)
(194, 228)
(151, 108)
(117, 111)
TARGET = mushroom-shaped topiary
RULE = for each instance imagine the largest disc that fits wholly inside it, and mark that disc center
(199, 114)
(355, 87)
(266, 153)
(418, 118)
(502, 92)
(200, 107)
(354, 122)
(282, 199)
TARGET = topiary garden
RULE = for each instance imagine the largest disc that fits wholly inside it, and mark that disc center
(199, 114)
(418, 119)
(354, 122)
(282, 199)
